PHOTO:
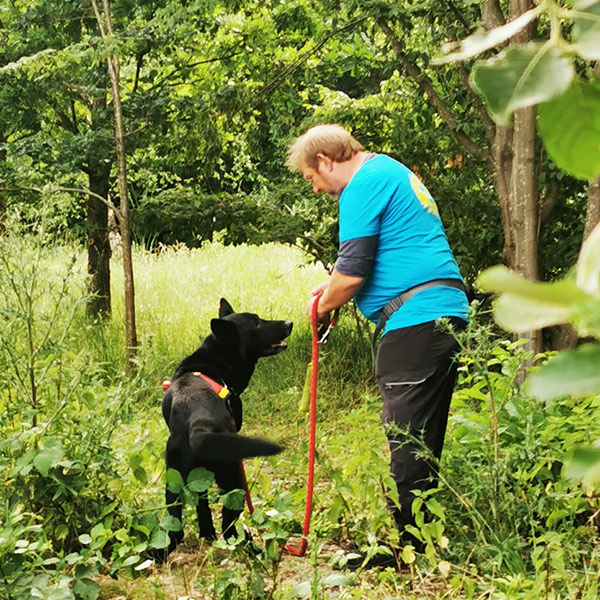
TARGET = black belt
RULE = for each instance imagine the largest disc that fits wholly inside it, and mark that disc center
(395, 303)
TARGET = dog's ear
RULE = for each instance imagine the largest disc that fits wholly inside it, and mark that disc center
(226, 331)
(225, 309)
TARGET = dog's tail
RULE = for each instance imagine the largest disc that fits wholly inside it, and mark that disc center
(229, 447)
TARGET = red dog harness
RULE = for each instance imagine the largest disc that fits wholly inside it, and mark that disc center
(217, 388)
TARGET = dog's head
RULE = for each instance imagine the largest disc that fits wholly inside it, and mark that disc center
(252, 336)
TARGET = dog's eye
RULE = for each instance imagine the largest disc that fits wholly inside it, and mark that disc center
(256, 324)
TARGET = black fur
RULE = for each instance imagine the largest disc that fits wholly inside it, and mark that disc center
(203, 427)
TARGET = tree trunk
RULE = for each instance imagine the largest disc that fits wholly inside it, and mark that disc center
(592, 217)
(524, 203)
(98, 244)
(105, 25)
(524, 206)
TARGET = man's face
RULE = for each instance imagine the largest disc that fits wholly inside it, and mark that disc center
(321, 178)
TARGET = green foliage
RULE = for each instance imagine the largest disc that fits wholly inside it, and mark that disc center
(527, 305)
(521, 76)
(544, 73)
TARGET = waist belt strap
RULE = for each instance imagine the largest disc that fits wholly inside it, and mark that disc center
(395, 303)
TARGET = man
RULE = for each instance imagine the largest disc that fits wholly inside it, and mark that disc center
(393, 253)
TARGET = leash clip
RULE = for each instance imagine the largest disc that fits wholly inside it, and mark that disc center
(324, 332)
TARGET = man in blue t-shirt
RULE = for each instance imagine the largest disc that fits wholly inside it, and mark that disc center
(394, 260)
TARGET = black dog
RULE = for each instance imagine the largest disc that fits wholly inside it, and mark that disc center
(203, 422)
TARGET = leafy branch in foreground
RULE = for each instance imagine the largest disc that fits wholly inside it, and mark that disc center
(544, 73)
(525, 305)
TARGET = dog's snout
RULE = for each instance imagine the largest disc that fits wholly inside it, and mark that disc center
(289, 325)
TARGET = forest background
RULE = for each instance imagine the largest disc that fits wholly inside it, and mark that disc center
(167, 123)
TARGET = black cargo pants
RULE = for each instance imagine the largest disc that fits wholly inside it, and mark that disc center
(416, 373)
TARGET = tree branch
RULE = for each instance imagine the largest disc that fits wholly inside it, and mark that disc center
(138, 68)
(65, 122)
(74, 116)
(459, 15)
(195, 64)
(279, 77)
(478, 105)
(54, 190)
(426, 86)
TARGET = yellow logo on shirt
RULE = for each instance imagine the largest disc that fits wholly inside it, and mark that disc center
(422, 193)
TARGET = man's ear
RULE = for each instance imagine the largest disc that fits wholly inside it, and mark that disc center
(225, 309)
(225, 331)
(323, 161)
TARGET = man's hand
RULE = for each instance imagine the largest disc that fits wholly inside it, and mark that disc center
(322, 317)
(336, 292)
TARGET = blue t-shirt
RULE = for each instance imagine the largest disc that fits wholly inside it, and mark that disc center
(391, 234)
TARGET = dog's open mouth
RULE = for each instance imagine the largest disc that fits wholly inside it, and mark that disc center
(275, 349)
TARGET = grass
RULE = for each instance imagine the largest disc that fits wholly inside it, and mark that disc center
(505, 523)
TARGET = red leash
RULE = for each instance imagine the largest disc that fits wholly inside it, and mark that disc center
(300, 550)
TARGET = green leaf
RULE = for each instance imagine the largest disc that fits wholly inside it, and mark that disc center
(521, 76)
(47, 458)
(86, 589)
(572, 372)
(337, 580)
(586, 30)
(131, 560)
(570, 128)
(171, 523)
(518, 314)
(588, 264)
(234, 500)
(159, 539)
(175, 481)
(85, 539)
(525, 305)
(584, 463)
(199, 480)
(301, 590)
(483, 40)
(502, 279)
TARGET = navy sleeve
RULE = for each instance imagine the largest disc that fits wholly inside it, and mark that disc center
(356, 256)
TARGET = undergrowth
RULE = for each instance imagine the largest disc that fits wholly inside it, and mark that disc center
(82, 445)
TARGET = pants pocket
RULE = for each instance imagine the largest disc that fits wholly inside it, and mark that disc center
(405, 397)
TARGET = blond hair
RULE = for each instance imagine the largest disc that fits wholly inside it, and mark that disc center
(331, 140)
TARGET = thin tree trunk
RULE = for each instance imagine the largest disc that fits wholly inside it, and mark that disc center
(2, 194)
(106, 30)
(98, 244)
(503, 157)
